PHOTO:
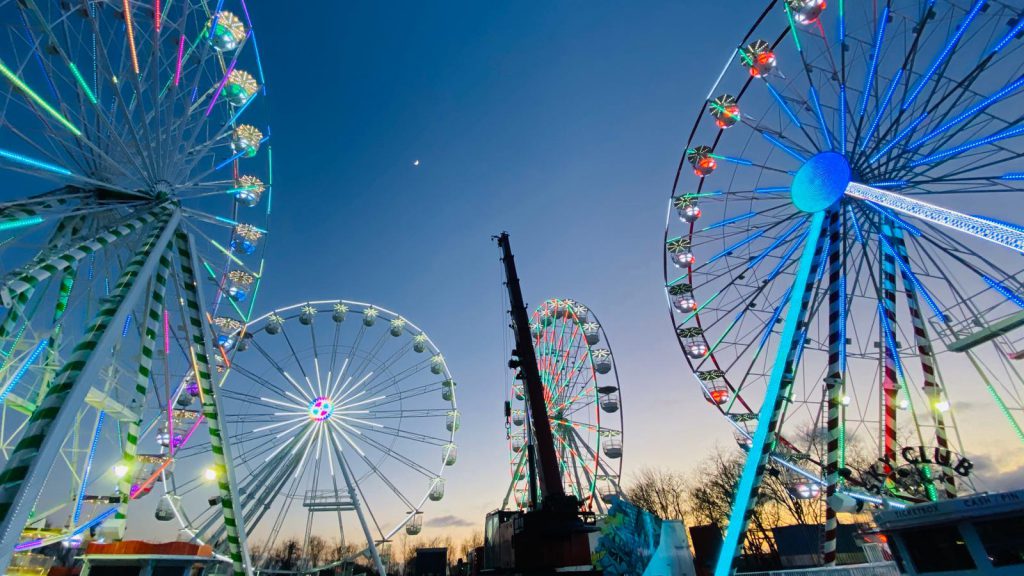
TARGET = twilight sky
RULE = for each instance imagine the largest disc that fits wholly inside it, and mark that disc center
(560, 122)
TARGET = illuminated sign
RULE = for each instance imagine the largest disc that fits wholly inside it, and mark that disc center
(914, 470)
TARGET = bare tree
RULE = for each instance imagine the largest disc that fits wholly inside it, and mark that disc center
(316, 550)
(661, 492)
(469, 543)
(710, 498)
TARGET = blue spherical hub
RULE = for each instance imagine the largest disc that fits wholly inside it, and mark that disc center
(820, 182)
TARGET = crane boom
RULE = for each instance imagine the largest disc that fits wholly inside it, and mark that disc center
(550, 480)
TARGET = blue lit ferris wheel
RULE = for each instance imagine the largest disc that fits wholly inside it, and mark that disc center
(840, 260)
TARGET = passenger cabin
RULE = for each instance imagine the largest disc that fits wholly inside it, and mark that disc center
(979, 534)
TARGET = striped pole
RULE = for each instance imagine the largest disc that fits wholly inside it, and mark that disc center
(199, 333)
(775, 399)
(137, 403)
(929, 367)
(32, 208)
(833, 383)
(260, 489)
(15, 289)
(890, 384)
(29, 463)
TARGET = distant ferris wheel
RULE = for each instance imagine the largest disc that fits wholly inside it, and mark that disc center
(342, 417)
(583, 399)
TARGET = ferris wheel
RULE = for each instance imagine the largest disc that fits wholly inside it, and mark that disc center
(137, 175)
(342, 417)
(583, 399)
(838, 262)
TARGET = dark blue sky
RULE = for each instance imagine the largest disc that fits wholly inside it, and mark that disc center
(561, 123)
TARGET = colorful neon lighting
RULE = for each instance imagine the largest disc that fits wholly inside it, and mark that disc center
(20, 223)
(785, 258)
(899, 137)
(81, 82)
(899, 221)
(181, 54)
(970, 112)
(842, 326)
(890, 340)
(256, 48)
(24, 368)
(842, 116)
(220, 88)
(762, 442)
(821, 266)
(961, 29)
(241, 109)
(13, 79)
(732, 159)
(889, 184)
(842, 21)
(881, 110)
(782, 104)
(776, 243)
(216, 17)
(167, 333)
(784, 148)
(772, 321)
(88, 467)
(913, 279)
(236, 224)
(821, 118)
(320, 409)
(1004, 291)
(792, 27)
(729, 221)
(1009, 36)
(130, 27)
(28, 545)
(875, 56)
(739, 244)
(1010, 133)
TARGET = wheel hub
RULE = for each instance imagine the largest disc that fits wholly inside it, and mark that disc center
(321, 409)
(820, 182)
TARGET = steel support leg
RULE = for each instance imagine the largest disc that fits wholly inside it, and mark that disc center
(198, 329)
(763, 441)
(29, 464)
(357, 503)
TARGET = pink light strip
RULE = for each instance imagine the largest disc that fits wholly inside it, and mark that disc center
(181, 53)
(199, 420)
(167, 333)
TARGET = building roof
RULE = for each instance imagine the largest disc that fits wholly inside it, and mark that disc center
(950, 511)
